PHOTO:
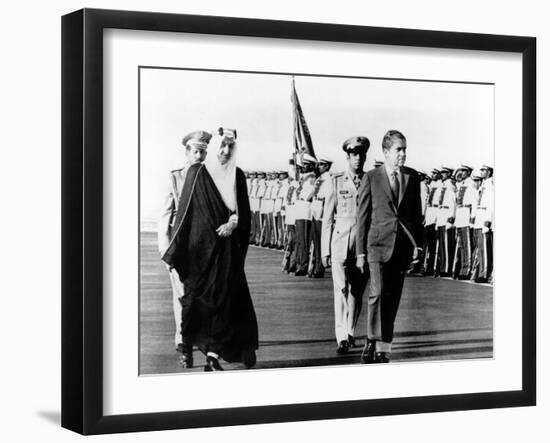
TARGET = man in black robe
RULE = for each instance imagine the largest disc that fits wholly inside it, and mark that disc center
(208, 250)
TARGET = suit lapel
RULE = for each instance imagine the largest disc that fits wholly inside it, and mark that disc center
(403, 188)
(384, 179)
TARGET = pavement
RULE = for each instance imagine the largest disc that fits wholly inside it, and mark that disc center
(438, 319)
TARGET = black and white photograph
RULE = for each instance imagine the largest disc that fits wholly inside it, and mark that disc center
(289, 220)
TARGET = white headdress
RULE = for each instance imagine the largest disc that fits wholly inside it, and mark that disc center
(225, 175)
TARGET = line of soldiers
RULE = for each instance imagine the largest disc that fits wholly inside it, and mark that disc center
(287, 214)
(458, 223)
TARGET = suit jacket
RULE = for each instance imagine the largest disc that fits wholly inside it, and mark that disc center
(384, 226)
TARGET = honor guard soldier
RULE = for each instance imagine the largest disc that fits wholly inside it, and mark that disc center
(302, 209)
(195, 144)
(275, 186)
(418, 264)
(279, 209)
(248, 180)
(425, 181)
(338, 243)
(253, 205)
(466, 199)
(483, 228)
(289, 257)
(266, 208)
(321, 189)
(445, 224)
(260, 191)
(430, 217)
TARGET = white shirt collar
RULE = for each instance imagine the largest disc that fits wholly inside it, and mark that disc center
(389, 171)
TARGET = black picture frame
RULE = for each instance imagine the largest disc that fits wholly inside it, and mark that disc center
(82, 218)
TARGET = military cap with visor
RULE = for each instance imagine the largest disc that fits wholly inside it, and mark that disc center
(356, 145)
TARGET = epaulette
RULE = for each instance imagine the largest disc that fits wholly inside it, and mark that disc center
(176, 170)
(338, 174)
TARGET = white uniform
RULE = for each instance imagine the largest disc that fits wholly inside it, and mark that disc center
(485, 208)
(446, 204)
(424, 191)
(483, 231)
(303, 206)
(290, 203)
(466, 199)
(317, 204)
(254, 204)
(432, 203)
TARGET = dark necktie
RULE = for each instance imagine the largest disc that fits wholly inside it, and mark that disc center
(395, 187)
(356, 181)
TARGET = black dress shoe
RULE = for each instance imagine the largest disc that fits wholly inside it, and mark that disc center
(351, 341)
(212, 364)
(186, 361)
(382, 357)
(248, 357)
(367, 356)
(300, 273)
(343, 347)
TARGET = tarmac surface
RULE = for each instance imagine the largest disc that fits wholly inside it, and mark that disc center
(438, 319)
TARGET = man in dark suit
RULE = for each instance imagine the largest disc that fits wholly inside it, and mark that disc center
(389, 235)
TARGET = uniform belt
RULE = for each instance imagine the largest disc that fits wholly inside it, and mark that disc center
(444, 207)
(481, 207)
(345, 217)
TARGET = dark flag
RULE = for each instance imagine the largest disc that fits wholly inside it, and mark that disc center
(302, 137)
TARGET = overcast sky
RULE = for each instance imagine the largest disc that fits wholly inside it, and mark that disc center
(445, 123)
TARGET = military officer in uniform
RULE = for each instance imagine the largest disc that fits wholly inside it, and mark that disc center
(338, 243)
(195, 144)
(321, 189)
(445, 224)
(302, 208)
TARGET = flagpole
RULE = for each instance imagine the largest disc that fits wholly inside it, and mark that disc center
(294, 118)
